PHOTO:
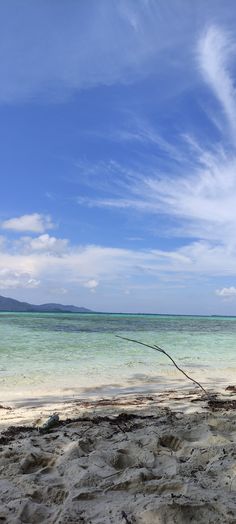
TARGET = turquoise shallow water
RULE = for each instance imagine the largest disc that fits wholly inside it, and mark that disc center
(52, 352)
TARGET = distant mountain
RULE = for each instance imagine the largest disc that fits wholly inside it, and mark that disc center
(10, 304)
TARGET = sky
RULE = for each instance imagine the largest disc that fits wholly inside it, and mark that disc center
(118, 154)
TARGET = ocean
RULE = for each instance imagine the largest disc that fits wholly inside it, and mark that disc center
(69, 354)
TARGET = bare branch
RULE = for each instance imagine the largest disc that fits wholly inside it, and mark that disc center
(160, 350)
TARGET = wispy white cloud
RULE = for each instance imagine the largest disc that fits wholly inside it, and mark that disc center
(35, 223)
(204, 201)
(199, 192)
(201, 200)
(141, 131)
(216, 50)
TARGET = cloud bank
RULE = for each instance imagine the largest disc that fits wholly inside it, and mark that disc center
(89, 265)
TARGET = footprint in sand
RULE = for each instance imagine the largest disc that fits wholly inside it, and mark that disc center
(171, 442)
(75, 450)
(55, 494)
(32, 513)
(177, 513)
(34, 461)
(120, 459)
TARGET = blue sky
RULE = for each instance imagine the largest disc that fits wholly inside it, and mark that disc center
(118, 154)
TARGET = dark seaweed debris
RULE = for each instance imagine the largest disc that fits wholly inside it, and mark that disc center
(231, 388)
(227, 405)
(123, 418)
(14, 431)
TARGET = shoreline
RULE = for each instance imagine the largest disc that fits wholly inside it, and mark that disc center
(25, 411)
(166, 458)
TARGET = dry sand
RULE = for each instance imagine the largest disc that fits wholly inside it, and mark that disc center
(162, 459)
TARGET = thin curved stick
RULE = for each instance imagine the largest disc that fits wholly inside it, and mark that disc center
(158, 348)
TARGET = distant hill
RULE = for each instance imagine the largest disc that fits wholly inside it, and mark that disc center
(10, 304)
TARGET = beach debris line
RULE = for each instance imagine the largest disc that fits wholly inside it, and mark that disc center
(222, 404)
(14, 432)
(5, 407)
(164, 352)
(129, 421)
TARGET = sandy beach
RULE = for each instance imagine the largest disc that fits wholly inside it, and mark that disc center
(166, 458)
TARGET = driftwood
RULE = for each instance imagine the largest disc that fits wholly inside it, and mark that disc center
(161, 350)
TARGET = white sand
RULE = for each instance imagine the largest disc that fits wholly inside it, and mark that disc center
(165, 466)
